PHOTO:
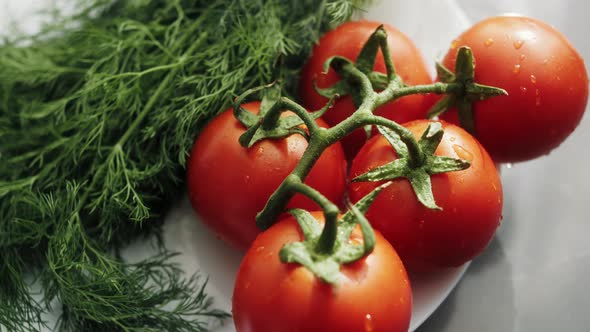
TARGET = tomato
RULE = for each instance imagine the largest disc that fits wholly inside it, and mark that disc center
(271, 296)
(347, 40)
(229, 184)
(544, 76)
(471, 202)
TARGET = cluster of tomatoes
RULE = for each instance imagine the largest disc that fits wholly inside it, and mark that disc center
(547, 87)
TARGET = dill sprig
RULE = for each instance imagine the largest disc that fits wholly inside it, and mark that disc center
(97, 114)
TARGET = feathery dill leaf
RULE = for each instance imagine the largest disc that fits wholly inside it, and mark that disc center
(97, 115)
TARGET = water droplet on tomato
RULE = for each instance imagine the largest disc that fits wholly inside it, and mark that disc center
(489, 42)
(537, 92)
(516, 69)
(518, 44)
(452, 139)
(421, 224)
(546, 61)
(259, 249)
(369, 324)
(462, 153)
(558, 78)
(523, 90)
(533, 79)
(538, 101)
(522, 57)
(454, 43)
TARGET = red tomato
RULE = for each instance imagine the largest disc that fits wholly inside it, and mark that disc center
(347, 40)
(229, 184)
(544, 76)
(271, 296)
(471, 202)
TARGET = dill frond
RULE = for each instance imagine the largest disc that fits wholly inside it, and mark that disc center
(97, 115)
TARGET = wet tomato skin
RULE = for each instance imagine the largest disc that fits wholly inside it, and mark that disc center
(471, 202)
(229, 184)
(270, 296)
(546, 81)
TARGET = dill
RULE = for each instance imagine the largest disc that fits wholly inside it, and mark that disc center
(97, 114)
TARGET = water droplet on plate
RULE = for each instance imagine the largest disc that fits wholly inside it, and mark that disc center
(508, 165)
(518, 44)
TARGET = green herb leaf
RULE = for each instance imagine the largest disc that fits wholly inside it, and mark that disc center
(98, 113)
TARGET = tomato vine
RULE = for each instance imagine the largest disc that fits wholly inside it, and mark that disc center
(359, 81)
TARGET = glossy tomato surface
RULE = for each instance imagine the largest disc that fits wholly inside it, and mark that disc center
(270, 296)
(347, 40)
(471, 202)
(229, 184)
(545, 78)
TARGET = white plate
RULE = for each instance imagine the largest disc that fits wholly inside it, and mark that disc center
(202, 251)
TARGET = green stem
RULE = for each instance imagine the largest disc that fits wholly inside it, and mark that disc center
(278, 200)
(438, 88)
(386, 55)
(351, 73)
(329, 234)
(321, 138)
(415, 151)
(284, 104)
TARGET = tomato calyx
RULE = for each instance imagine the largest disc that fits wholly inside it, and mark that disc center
(324, 250)
(365, 62)
(468, 93)
(417, 169)
(268, 123)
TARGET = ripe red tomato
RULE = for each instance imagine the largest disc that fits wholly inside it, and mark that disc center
(347, 40)
(544, 76)
(271, 296)
(229, 184)
(471, 202)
